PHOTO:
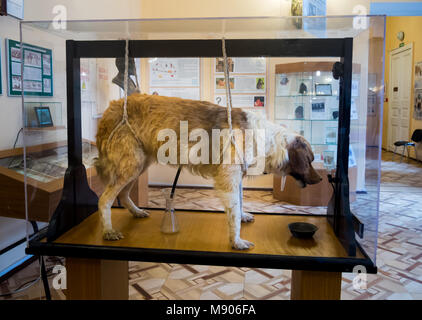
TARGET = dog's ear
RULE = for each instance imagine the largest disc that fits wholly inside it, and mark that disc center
(300, 161)
(299, 155)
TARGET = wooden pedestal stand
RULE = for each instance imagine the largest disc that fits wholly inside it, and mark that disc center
(95, 279)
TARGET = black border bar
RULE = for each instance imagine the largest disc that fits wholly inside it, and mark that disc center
(240, 259)
(211, 48)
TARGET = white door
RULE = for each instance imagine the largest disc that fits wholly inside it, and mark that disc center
(400, 88)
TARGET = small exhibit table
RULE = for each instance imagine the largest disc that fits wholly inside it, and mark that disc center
(98, 269)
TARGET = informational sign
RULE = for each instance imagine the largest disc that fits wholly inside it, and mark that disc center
(171, 72)
(37, 69)
(175, 77)
(241, 65)
(247, 82)
(241, 100)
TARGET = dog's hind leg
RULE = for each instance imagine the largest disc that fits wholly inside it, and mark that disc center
(125, 160)
(104, 205)
(127, 202)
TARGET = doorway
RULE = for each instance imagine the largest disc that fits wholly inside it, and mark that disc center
(400, 92)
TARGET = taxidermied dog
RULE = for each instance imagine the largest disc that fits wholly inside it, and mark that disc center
(126, 153)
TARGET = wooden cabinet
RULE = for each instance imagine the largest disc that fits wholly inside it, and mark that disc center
(312, 195)
(43, 197)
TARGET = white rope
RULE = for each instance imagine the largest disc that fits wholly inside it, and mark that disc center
(227, 82)
(125, 119)
(229, 105)
(126, 79)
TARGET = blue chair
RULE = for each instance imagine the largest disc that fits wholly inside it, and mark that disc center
(416, 138)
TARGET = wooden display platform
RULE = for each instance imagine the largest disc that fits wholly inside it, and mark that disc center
(203, 239)
(205, 231)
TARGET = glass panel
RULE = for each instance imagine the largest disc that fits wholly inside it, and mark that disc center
(365, 130)
(44, 120)
(298, 93)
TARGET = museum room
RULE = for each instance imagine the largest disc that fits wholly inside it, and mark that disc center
(210, 150)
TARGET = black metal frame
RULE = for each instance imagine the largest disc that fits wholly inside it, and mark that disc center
(79, 201)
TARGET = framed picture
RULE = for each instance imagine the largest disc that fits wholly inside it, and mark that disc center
(259, 101)
(323, 89)
(37, 74)
(317, 110)
(43, 116)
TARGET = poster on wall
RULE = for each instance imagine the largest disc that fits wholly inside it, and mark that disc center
(175, 77)
(241, 101)
(241, 65)
(37, 69)
(242, 84)
(174, 72)
(417, 109)
(247, 82)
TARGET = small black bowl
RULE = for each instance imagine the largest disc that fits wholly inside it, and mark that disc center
(302, 229)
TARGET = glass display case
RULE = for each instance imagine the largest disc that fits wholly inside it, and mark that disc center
(309, 86)
(307, 101)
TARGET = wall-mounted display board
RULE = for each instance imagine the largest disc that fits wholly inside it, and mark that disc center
(37, 69)
(247, 82)
(175, 77)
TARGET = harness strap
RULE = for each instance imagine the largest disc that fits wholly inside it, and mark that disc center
(125, 118)
(229, 107)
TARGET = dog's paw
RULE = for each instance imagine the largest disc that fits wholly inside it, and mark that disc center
(241, 244)
(247, 217)
(139, 213)
(112, 235)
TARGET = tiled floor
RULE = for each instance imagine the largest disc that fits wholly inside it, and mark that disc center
(399, 255)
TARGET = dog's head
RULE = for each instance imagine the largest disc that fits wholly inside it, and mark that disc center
(299, 163)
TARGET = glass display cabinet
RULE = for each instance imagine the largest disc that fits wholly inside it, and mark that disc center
(309, 87)
(307, 102)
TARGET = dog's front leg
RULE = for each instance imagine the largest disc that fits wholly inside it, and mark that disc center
(246, 216)
(227, 185)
